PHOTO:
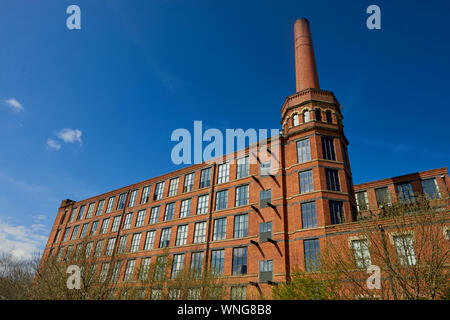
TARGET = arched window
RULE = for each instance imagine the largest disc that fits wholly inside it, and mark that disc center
(296, 120)
(329, 118)
(318, 115)
(306, 116)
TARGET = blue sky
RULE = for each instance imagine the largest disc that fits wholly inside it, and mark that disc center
(86, 111)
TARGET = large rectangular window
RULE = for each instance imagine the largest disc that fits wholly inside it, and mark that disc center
(205, 178)
(309, 215)
(221, 199)
(84, 230)
(110, 205)
(177, 265)
(145, 195)
(140, 218)
(66, 234)
(116, 224)
(202, 204)
(129, 270)
(430, 188)
(405, 250)
(405, 192)
(265, 169)
(168, 214)
(165, 238)
(149, 240)
(312, 254)
(303, 150)
(241, 226)
(217, 261)
(243, 167)
(144, 269)
(133, 197)
(220, 226)
(362, 201)
(100, 206)
(72, 215)
(122, 199)
(110, 246)
(188, 182)
(182, 232)
(383, 197)
(196, 264)
(332, 177)
(265, 197)
(98, 248)
(306, 181)
(81, 212)
(336, 212)
(185, 208)
(173, 186)
(122, 244)
(239, 261)
(265, 270)
(241, 195)
(135, 241)
(159, 189)
(328, 148)
(361, 253)
(74, 232)
(154, 214)
(90, 210)
(200, 232)
(116, 271)
(223, 172)
(127, 222)
(238, 293)
(265, 231)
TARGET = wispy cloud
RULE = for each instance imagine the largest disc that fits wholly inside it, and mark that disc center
(15, 105)
(70, 135)
(52, 144)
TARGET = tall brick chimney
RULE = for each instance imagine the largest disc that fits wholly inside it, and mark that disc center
(305, 64)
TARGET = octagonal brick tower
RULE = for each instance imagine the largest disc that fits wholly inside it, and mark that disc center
(319, 188)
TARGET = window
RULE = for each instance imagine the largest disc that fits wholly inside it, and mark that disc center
(74, 232)
(296, 120)
(101, 203)
(173, 186)
(140, 218)
(81, 212)
(160, 268)
(221, 199)
(84, 230)
(116, 224)
(98, 248)
(68, 253)
(318, 114)
(202, 204)
(306, 181)
(88, 249)
(72, 215)
(265, 270)
(241, 226)
(406, 193)
(181, 235)
(196, 264)
(205, 178)
(383, 197)
(63, 217)
(60, 252)
(329, 117)
(56, 236)
(129, 269)
(193, 294)
(145, 195)
(332, 177)
(135, 241)
(223, 172)
(309, 215)
(238, 293)
(220, 226)
(312, 254)
(361, 200)
(127, 223)
(303, 150)
(239, 261)
(177, 266)
(200, 232)
(159, 189)
(173, 294)
(66, 234)
(217, 261)
(405, 250)
(336, 212)
(154, 214)
(306, 116)
(149, 240)
(122, 244)
(104, 272)
(265, 198)
(185, 208)
(168, 214)
(264, 169)
(430, 188)
(188, 182)
(265, 231)
(90, 210)
(133, 197)
(110, 246)
(243, 167)
(241, 195)
(361, 253)
(328, 148)
(116, 271)
(165, 238)
(156, 294)
(122, 199)
(110, 205)
(145, 268)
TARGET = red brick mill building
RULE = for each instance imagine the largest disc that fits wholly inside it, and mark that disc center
(253, 225)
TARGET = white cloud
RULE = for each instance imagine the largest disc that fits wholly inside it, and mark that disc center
(52, 144)
(15, 105)
(22, 241)
(70, 135)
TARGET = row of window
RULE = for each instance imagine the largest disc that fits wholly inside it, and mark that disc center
(328, 150)
(405, 192)
(307, 116)
(306, 180)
